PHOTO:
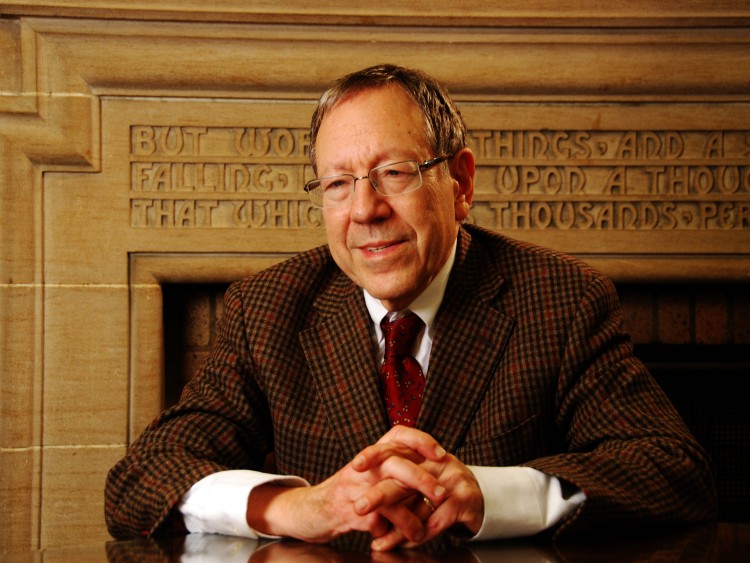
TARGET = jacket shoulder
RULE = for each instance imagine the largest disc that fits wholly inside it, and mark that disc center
(306, 270)
(518, 259)
(290, 288)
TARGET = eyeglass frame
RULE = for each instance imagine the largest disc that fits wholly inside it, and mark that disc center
(421, 167)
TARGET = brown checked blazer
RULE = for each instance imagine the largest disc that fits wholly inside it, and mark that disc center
(529, 366)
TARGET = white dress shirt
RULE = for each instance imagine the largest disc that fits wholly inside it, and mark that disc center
(518, 501)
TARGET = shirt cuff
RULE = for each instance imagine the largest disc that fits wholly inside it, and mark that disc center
(217, 504)
(520, 501)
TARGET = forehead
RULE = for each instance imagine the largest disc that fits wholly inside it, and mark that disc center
(391, 90)
(371, 121)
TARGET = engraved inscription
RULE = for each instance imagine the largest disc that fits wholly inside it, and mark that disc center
(612, 180)
(252, 177)
(225, 177)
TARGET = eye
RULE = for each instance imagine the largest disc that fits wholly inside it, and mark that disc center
(395, 173)
(335, 183)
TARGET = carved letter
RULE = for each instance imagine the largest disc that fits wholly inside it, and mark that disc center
(142, 140)
(252, 141)
(507, 179)
(714, 145)
(171, 140)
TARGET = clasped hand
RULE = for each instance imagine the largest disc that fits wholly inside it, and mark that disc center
(404, 490)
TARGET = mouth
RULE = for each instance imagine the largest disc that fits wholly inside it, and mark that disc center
(379, 247)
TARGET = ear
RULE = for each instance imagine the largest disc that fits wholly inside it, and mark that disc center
(462, 167)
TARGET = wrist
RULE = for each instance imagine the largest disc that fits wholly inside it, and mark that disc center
(266, 512)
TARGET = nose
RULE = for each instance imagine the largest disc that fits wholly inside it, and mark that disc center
(367, 203)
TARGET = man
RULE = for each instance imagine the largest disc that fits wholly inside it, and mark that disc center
(530, 411)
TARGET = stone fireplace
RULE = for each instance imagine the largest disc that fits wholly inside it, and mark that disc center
(151, 155)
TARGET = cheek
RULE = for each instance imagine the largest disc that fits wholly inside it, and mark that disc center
(335, 225)
(436, 219)
(336, 231)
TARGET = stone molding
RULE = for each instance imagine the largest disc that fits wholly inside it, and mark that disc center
(464, 13)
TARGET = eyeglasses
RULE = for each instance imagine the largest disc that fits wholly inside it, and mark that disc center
(388, 180)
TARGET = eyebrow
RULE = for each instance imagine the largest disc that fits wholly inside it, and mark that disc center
(388, 159)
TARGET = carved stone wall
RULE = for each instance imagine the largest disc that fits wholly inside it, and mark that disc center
(165, 142)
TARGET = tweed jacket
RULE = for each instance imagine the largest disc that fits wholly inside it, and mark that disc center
(529, 366)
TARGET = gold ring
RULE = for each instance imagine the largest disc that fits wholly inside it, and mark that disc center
(428, 502)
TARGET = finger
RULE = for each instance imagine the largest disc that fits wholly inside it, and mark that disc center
(456, 513)
(378, 453)
(390, 541)
(384, 493)
(409, 526)
(412, 475)
(378, 526)
(415, 440)
(424, 509)
(396, 537)
(399, 479)
(404, 441)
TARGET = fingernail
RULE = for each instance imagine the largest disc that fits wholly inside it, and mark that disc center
(377, 544)
(440, 451)
(360, 504)
(439, 491)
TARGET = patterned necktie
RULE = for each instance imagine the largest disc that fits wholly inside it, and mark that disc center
(402, 378)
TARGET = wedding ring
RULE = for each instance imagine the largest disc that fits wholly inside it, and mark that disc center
(428, 502)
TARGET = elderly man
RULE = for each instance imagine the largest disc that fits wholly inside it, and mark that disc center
(416, 375)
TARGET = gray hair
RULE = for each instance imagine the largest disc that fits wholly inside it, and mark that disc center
(444, 127)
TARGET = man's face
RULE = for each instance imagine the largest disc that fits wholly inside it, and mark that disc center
(391, 246)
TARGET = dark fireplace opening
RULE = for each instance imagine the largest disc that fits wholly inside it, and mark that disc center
(706, 383)
(695, 339)
(191, 315)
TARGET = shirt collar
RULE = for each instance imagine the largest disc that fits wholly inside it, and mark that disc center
(426, 305)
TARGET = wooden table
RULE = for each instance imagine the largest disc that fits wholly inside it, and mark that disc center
(721, 542)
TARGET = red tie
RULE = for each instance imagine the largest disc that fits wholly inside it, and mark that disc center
(403, 381)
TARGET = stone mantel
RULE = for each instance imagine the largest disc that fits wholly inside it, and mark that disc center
(144, 143)
(431, 13)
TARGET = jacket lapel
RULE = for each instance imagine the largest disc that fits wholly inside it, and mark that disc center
(469, 339)
(339, 352)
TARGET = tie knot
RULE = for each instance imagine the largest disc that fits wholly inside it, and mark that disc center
(400, 334)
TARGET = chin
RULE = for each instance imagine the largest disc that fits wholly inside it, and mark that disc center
(389, 287)
(392, 301)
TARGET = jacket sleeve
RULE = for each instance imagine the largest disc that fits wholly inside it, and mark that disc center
(220, 423)
(627, 448)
